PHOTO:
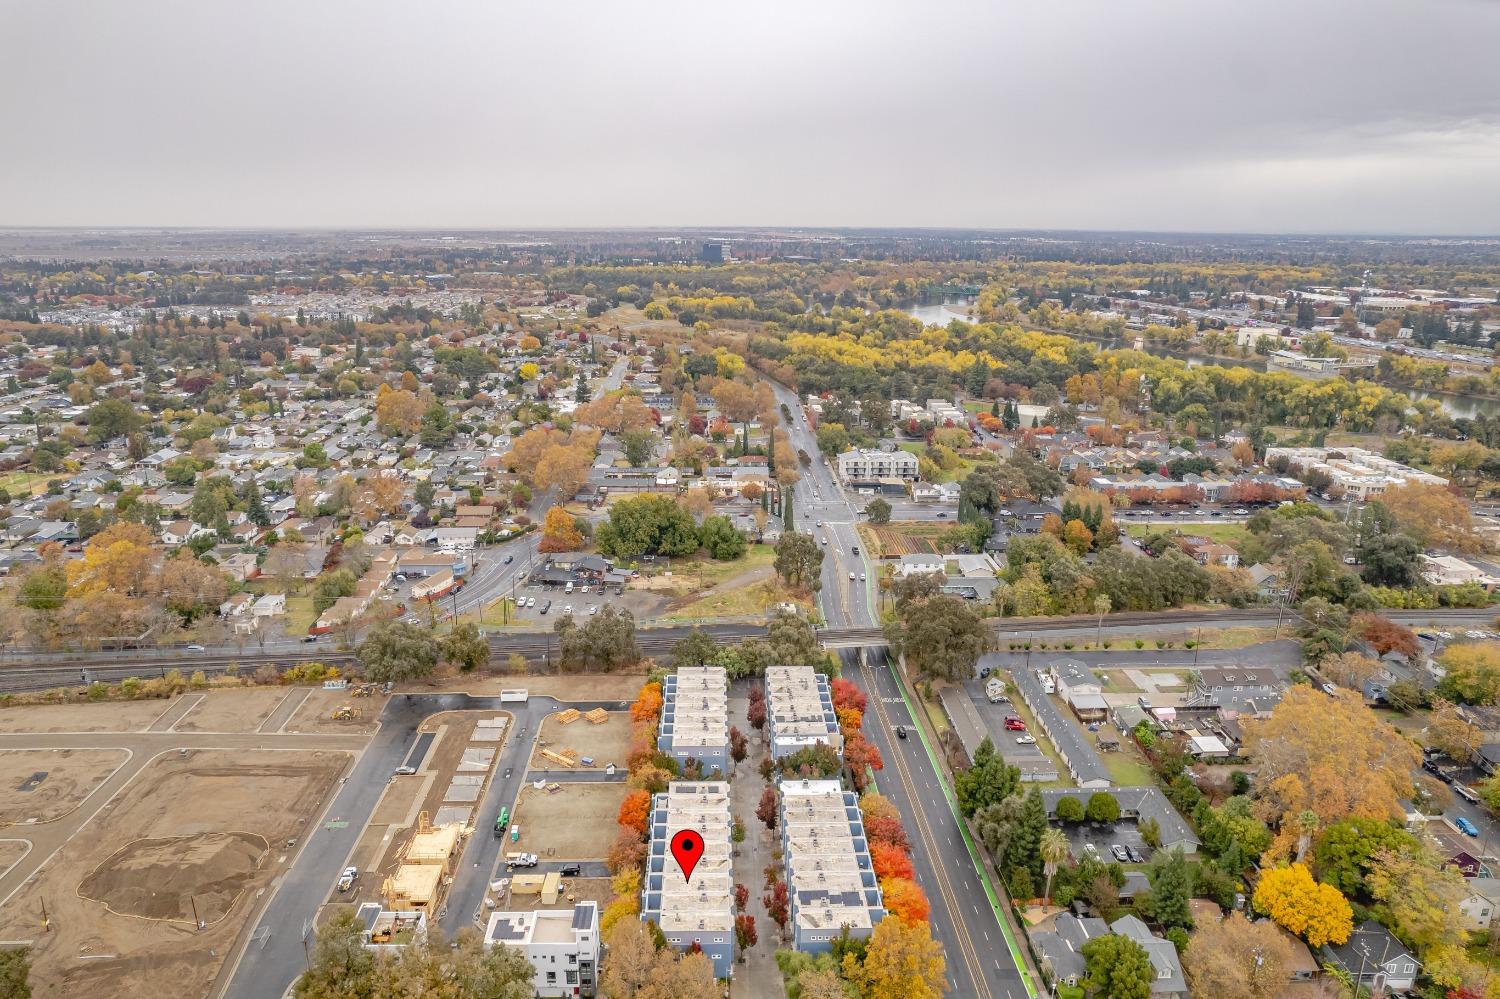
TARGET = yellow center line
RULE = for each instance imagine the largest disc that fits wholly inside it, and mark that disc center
(966, 946)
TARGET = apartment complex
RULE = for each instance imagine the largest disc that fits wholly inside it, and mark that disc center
(829, 876)
(695, 716)
(799, 711)
(865, 465)
(1361, 474)
(701, 911)
(561, 944)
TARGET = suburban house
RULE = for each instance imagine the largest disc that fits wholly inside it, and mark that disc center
(1061, 951)
(1373, 957)
(1480, 905)
(1080, 690)
(1170, 982)
(1248, 690)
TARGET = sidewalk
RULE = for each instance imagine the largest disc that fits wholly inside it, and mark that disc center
(758, 977)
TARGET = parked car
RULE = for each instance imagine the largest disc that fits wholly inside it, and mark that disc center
(1134, 855)
(571, 870)
(405, 771)
(546, 606)
(1121, 854)
(1026, 740)
(1468, 828)
(347, 879)
(195, 648)
(309, 638)
(1015, 725)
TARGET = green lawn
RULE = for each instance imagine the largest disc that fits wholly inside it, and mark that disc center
(22, 483)
(711, 572)
(1228, 534)
(1126, 769)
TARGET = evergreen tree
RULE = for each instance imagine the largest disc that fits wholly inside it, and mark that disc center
(1171, 887)
(1026, 845)
(255, 509)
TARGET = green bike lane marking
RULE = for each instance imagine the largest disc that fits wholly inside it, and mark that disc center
(963, 829)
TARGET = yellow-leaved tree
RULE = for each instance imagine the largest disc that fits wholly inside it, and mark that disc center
(559, 532)
(902, 962)
(1317, 912)
(1331, 756)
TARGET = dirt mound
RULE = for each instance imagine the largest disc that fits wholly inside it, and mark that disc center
(165, 878)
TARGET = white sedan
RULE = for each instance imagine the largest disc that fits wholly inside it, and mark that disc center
(1026, 740)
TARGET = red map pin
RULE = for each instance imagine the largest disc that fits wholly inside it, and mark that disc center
(687, 847)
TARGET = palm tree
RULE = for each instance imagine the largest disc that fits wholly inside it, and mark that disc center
(1054, 850)
(1307, 825)
(1101, 607)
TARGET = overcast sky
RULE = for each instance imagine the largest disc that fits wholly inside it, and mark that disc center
(1264, 116)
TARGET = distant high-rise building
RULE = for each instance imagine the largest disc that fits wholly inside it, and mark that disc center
(717, 253)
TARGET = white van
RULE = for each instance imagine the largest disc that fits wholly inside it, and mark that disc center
(569, 587)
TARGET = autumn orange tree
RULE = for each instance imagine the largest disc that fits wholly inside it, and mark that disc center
(635, 811)
(905, 900)
(648, 702)
(559, 532)
(1317, 912)
(890, 862)
(1330, 756)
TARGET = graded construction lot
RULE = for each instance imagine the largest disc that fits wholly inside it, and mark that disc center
(233, 710)
(315, 714)
(11, 850)
(42, 785)
(204, 829)
(604, 744)
(576, 822)
(115, 716)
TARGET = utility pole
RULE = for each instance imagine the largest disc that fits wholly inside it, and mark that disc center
(1197, 645)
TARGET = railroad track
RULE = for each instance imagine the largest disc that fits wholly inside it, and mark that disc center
(46, 672)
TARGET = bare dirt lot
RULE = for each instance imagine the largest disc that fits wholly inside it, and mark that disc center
(603, 744)
(205, 828)
(11, 850)
(575, 823)
(232, 710)
(178, 878)
(582, 687)
(110, 716)
(70, 775)
(315, 713)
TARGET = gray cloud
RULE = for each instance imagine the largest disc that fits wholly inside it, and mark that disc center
(1281, 115)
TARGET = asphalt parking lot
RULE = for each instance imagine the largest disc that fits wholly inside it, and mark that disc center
(1124, 833)
(538, 597)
